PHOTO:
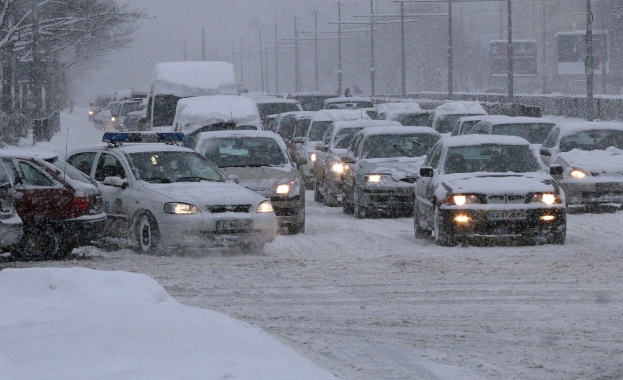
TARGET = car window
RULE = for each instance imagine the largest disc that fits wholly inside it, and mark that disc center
(399, 145)
(317, 130)
(344, 136)
(302, 126)
(490, 158)
(592, 140)
(552, 138)
(413, 119)
(535, 133)
(82, 161)
(33, 176)
(433, 159)
(72, 172)
(243, 152)
(327, 136)
(4, 175)
(109, 166)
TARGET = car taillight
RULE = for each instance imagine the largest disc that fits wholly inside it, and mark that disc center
(80, 206)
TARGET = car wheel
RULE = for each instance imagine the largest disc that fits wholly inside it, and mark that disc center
(298, 227)
(442, 237)
(147, 234)
(317, 194)
(330, 200)
(358, 209)
(420, 233)
(39, 244)
(347, 203)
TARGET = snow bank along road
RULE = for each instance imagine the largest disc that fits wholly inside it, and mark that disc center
(367, 300)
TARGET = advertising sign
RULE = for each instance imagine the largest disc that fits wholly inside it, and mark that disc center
(572, 52)
(524, 57)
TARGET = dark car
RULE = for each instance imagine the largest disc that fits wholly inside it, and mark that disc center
(60, 207)
(486, 186)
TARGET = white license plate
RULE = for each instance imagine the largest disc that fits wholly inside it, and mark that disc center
(506, 214)
(233, 225)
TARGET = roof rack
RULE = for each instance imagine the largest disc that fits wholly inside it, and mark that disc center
(118, 138)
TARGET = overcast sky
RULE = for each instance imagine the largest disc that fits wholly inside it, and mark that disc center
(161, 37)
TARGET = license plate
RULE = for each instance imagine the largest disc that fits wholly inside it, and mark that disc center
(506, 214)
(233, 225)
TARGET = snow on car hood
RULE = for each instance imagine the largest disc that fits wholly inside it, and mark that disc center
(263, 178)
(609, 161)
(397, 167)
(206, 193)
(499, 183)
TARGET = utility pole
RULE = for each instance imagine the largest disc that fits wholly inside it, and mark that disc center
(544, 43)
(511, 96)
(203, 44)
(403, 52)
(37, 74)
(339, 48)
(316, 75)
(276, 61)
(589, 61)
(297, 68)
(450, 54)
(372, 63)
(261, 62)
(241, 61)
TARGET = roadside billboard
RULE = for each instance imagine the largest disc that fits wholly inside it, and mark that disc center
(524, 58)
(572, 52)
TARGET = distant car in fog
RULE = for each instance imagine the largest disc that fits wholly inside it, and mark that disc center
(311, 101)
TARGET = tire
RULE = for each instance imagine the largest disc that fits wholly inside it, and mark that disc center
(558, 237)
(147, 234)
(317, 194)
(40, 244)
(420, 233)
(442, 237)
(299, 227)
(347, 204)
(358, 209)
(329, 199)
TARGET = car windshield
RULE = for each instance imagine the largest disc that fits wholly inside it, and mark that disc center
(72, 172)
(243, 152)
(344, 136)
(313, 103)
(535, 133)
(114, 108)
(467, 126)
(168, 167)
(415, 119)
(317, 130)
(490, 158)
(597, 139)
(349, 104)
(129, 107)
(398, 145)
(302, 126)
(275, 108)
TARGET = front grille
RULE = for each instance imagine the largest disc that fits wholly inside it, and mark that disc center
(216, 209)
(609, 187)
(286, 211)
(506, 199)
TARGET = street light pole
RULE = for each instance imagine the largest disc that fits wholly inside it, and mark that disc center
(403, 55)
(589, 60)
(339, 47)
(316, 75)
(510, 52)
(276, 61)
(450, 58)
(372, 63)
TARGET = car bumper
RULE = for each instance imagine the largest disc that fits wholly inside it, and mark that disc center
(479, 223)
(386, 198)
(581, 193)
(289, 211)
(84, 230)
(201, 232)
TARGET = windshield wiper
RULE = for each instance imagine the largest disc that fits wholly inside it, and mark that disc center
(194, 179)
(398, 148)
(157, 180)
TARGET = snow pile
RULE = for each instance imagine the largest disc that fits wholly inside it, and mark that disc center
(80, 323)
(193, 78)
(460, 107)
(199, 111)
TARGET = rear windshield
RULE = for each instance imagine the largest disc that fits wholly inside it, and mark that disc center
(490, 158)
(275, 108)
(317, 130)
(535, 133)
(413, 119)
(243, 152)
(399, 145)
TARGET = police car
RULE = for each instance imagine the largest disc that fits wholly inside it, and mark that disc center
(160, 197)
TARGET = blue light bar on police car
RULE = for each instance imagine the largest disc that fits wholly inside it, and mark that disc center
(142, 137)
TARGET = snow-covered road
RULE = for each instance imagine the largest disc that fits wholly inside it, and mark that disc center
(367, 300)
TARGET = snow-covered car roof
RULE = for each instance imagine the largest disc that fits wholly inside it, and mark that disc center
(272, 99)
(460, 107)
(193, 78)
(397, 130)
(570, 128)
(340, 114)
(27, 153)
(504, 119)
(470, 118)
(138, 147)
(200, 111)
(399, 106)
(311, 94)
(465, 140)
(365, 124)
(347, 99)
(298, 114)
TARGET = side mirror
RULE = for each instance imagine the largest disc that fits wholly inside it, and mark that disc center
(545, 152)
(348, 160)
(319, 146)
(298, 140)
(234, 178)
(556, 170)
(426, 172)
(300, 160)
(116, 182)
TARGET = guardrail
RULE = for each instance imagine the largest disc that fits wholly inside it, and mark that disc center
(44, 129)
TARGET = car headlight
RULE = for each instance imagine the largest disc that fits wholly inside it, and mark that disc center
(283, 189)
(180, 208)
(462, 199)
(577, 174)
(91, 112)
(547, 198)
(338, 168)
(373, 178)
(113, 119)
(313, 157)
(265, 207)
(290, 188)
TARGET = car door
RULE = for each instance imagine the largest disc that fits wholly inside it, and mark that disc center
(115, 198)
(425, 186)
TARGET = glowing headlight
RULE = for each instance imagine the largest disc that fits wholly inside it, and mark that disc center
(547, 198)
(374, 178)
(338, 168)
(283, 189)
(112, 118)
(461, 199)
(91, 112)
(265, 207)
(313, 157)
(180, 208)
(577, 173)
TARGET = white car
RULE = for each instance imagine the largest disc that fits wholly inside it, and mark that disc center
(160, 196)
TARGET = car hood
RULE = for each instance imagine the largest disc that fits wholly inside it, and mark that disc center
(262, 179)
(596, 162)
(398, 167)
(206, 193)
(499, 183)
